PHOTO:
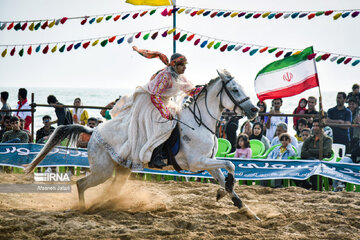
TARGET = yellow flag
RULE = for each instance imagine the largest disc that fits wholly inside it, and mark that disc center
(151, 2)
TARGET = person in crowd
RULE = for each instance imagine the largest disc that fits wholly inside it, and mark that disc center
(262, 109)
(281, 128)
(15, 135)
(230, 131)
(300, 109)
(284, 151)
(272, 121)
(84, 138)
(22, 125)
(243, 149)
(354, 94)
(340, 115)
(63, 114)
(24, 104)
(355, 114)
(220, 129)
(305, 134)
(100, 120)
(311, 148)
(6, 126)
(43, 134)
(246, 128)
(311, 109)
(258, 134)
(105, 113)
(5, 106)
(79, 115)
(302, 123)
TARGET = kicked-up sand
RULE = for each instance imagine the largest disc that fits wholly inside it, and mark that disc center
(177, 210)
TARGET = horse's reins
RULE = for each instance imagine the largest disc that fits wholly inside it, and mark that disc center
(198, 119)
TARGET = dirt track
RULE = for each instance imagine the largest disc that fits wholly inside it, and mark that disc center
(177, 210)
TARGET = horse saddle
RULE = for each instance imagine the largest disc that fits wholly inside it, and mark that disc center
(169, 149)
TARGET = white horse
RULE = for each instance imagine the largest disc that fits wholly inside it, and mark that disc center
(198, 144)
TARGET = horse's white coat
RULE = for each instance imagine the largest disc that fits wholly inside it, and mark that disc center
(198, 147)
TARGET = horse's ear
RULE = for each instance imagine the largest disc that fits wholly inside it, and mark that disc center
(221, 74)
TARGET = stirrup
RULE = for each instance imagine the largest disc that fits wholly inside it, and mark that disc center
(156, 163)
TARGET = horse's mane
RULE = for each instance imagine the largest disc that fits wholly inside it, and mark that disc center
(209, 84)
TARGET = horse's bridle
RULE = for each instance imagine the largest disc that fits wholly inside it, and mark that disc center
(198, 119)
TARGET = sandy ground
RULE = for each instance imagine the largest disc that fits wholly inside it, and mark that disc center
(177, 210)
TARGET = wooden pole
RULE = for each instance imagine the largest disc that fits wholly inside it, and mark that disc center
(174, 26)
(32, 117)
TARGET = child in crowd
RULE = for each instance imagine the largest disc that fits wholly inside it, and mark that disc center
(301, 109)
(301, 124)
(243, 149)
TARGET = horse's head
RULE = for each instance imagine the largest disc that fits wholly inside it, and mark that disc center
(234, 96)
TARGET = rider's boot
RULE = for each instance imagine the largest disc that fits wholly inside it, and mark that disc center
(157, 162)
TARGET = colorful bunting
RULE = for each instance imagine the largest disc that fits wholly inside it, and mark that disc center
(181, 36)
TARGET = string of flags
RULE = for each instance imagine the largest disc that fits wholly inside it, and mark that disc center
(181, 35)
(34, 25)
(336, 14)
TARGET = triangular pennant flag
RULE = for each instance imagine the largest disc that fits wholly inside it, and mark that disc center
(223, 48)
(190, 37)
(37, 26)
(29, 51)
(177, 36)
(45, 24)
(3, 26)
(104, 43)
(135, 15)
(217, 45)
(154, 35)
(46, 49)
(31, 27)
(146, 36)
(12, 52)
(70, 47)
(138, 35)
(95, 42)
(203, 44)
(116, 18)
(38, 48)
(3, 54)
(197, 41)
(86, 44)
(62, 49)
(83, 21)
(99, 19)
(120, 40)
(183, 37)
(164, 34)
(63, 20)
(112, 39)
(21, 52)
(10, 26)
(54, 49)
(23, 27)
(130, 39)
(52, 24)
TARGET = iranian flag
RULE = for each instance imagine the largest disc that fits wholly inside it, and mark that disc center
(287, 77)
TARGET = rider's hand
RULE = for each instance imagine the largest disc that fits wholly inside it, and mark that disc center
(170, 117)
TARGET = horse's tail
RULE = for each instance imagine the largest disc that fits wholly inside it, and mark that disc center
(65, 131)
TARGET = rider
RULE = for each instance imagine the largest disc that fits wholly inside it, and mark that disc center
(166, 83)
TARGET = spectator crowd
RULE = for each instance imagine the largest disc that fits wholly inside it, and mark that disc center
(271, 130)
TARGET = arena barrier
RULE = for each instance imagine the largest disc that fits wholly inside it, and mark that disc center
(15, 155)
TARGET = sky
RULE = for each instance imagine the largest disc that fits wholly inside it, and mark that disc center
(118, 66)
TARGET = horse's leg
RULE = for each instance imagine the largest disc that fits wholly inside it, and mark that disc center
(121, 176)
(228, 184)
(219, 176)
(213, 164)
(101, 166)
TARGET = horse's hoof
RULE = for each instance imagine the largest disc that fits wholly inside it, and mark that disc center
(237, 202)
(229, 183)
(220, 194)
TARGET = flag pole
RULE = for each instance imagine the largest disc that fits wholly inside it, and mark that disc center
(321, 115)
(174, 26)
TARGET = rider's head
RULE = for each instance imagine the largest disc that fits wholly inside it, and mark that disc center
(178, 61)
